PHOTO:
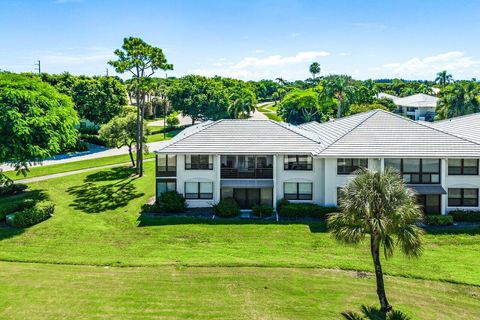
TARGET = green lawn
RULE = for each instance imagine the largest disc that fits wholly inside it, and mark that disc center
(159, 136)
(75, 165)
(270, 110)
(193, 262)
(33, 291)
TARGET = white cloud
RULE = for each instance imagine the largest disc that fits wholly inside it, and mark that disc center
(454, 62)
(344, 54)
(259, 51)
(278, 60)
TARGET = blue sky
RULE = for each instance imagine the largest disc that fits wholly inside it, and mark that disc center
(248, 39)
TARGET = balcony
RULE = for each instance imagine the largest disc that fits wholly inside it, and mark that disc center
(258, 173)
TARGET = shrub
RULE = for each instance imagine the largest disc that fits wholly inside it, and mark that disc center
(12, 207)
(262, 210)
(465, 216)
(31, 216)
(93, 139)
(89, 130)
(153, 208)
(227, 208)
(172, 120)
(305, 210)
(171, 202)
(281, 203)
(438, 220)
(12, 188)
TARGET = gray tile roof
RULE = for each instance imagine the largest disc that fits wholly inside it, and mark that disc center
(383, 134)
(467, 127)
(417, 100)
(387, 95)
(376, 133)
(243, 137)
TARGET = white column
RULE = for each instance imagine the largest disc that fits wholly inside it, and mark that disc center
(218, 168)
(274, 190)
(443, 178)
(382, 164)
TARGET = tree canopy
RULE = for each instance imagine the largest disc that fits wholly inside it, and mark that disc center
(300, 106)
(36, 121)
(458, 99)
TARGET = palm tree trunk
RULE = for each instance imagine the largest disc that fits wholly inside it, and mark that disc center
(375, 250)
(131, 153)
(339, 110)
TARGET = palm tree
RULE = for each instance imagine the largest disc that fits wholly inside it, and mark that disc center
(379, 204)
(314, 69)
(282, 81)
(341, 87)
(458, 99)
(370, 313)
(443, 78)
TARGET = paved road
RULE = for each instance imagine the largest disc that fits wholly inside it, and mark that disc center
(87, 155)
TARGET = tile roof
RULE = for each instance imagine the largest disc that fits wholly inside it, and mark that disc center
(417, 100)
(467, 127)
(243, 137)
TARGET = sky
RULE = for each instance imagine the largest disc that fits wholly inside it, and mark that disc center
(248, 39)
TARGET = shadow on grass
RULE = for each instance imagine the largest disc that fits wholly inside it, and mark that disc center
(314, 226)
(470, 230)
(95, 196)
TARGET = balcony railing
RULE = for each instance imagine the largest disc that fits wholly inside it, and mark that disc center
(163, 171)
(258, 173)
(198, 166)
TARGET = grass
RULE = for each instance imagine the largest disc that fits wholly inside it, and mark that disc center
(159, 136)
(270, 110)
(86, 292)
(75, 165)
(171, 265)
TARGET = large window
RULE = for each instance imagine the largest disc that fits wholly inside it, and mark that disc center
(247, 167)
(166, 165)
(166, 185)
(297, 191)
(198, 190)
(297, 162)
(466, 197)
(463, 167)
(423, 171)
(348, 166)
(198, 162)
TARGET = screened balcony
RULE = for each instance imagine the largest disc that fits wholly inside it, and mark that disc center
(246, 167)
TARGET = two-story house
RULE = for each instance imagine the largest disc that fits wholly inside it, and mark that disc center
(263, 161)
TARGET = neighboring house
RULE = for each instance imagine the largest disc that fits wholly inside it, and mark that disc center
(416, 107)
(263, 161)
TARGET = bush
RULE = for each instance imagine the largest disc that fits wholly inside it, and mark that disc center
(88, 130)
(12, 188)
(31, 216)
(153, 208)
(93, 139)
(227, 208)
(438, 220)
(171, 202)
(465, 216)
(12, 207)
(262, 210)
(305, 210)
(172, 120)
(281, 203)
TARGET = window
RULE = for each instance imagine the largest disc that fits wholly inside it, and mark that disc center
(297, 191)
(166, 185)
(198, 162)
(166, 165)
(198, 190)
(300, 162)
(423, 171)
(467, 197)
(463, 167)
(348, 166)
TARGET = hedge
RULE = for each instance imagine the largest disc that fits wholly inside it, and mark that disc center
(438, 220)
(31, 216)
(93, 139)
(227, 208)
(168, 202)
(262, 211)
(465, 216)
(12, 207)
(305, 210)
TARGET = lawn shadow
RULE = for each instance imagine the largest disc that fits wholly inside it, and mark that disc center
(469, 230)
(145, 221)
(94, 196)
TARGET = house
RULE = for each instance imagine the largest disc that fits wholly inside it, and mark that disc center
(263, 161)
(416, 107)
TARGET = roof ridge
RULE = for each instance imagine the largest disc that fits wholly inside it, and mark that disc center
(455, 118)
(430, 127)
(375, 111)
(287, 126)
